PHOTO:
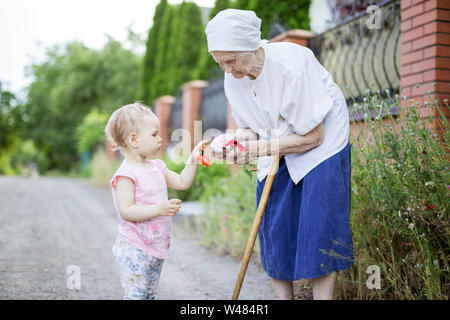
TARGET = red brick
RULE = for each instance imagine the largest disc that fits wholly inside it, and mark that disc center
(443, 86)
(425, 18)
(406, 25)
(405, 4)
(430, 4)
(412, 11)
(423, 42)
(405, 92)
(412, 34)
(411, 57)
(422, 90)
(423, 65)
(416, 2)
(443, 38)
(443, 4)
(430, 27)
(411, 80)
(406, 47)
(433, 51)
(405, 70)
(426, 111)
(436, 74)
(443, 15)
(442, 63)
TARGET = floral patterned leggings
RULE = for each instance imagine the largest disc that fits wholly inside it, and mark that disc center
(139, 271)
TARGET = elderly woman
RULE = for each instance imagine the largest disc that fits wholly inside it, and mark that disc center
(284, 102)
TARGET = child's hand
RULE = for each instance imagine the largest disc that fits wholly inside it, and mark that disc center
(197, 152)
(170, 207)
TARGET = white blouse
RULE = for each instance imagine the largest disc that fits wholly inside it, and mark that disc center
(293, 94)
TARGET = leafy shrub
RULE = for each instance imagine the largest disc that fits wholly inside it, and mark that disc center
(400, 189)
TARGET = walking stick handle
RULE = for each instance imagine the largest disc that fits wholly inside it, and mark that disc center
(256, 223)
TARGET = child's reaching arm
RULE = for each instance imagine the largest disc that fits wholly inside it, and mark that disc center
(186, 178)
(138, 213)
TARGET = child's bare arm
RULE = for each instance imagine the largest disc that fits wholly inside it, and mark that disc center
(137, 213)
(185, 179)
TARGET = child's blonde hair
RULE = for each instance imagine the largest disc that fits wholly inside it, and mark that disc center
(123, 121)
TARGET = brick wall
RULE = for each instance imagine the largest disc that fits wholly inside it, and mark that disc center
(425, 52)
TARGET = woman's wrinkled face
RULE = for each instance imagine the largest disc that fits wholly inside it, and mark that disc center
(236, 63)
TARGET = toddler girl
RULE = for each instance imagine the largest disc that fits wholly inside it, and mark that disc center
(139, 189)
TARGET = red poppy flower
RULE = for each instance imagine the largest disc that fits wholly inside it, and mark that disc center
(405, 244)
(204, 159)
(429, 207)
(237, 144)
(424, 152)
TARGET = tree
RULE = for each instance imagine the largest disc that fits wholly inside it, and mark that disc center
(206, 63)
(291, 14)
(191, 41)
(147, 93)
(90, 133)
(10, 118)
(71, 81)
(161, 83)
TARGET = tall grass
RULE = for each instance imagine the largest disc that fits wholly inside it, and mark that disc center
(400, 189)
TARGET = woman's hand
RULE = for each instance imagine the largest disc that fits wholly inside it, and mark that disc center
(235, 156)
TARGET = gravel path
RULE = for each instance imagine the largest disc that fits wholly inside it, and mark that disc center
(50, 223)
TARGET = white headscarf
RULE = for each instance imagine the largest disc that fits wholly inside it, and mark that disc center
(234, 30)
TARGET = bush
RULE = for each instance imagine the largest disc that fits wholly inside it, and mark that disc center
(399, 205)
(206, 176)
(229, 210)
(102, 169)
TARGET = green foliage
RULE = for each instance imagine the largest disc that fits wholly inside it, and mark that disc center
(90, 132)
(191, 40)
(155, 37)
(174, 46)
(10, 118)
(101, 169)
(206, 177)
(206, 64)
(291, 14)
(161, 84)
(230, 208)
(400, 205)
(71, 81)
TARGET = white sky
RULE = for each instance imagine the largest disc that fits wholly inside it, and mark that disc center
(23, 23)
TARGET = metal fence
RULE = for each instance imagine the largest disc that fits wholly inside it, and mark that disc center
(360, 57)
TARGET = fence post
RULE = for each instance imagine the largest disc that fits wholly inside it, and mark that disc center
(425, 54)
(163, 107)
(192, 99)
(297, 36)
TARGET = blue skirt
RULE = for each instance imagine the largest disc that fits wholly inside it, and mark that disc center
(305, 231)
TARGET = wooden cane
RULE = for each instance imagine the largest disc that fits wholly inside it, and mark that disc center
(256, 223)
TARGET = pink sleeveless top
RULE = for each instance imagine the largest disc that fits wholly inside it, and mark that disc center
(151, 236)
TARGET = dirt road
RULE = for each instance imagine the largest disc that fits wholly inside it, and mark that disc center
(49, 224)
